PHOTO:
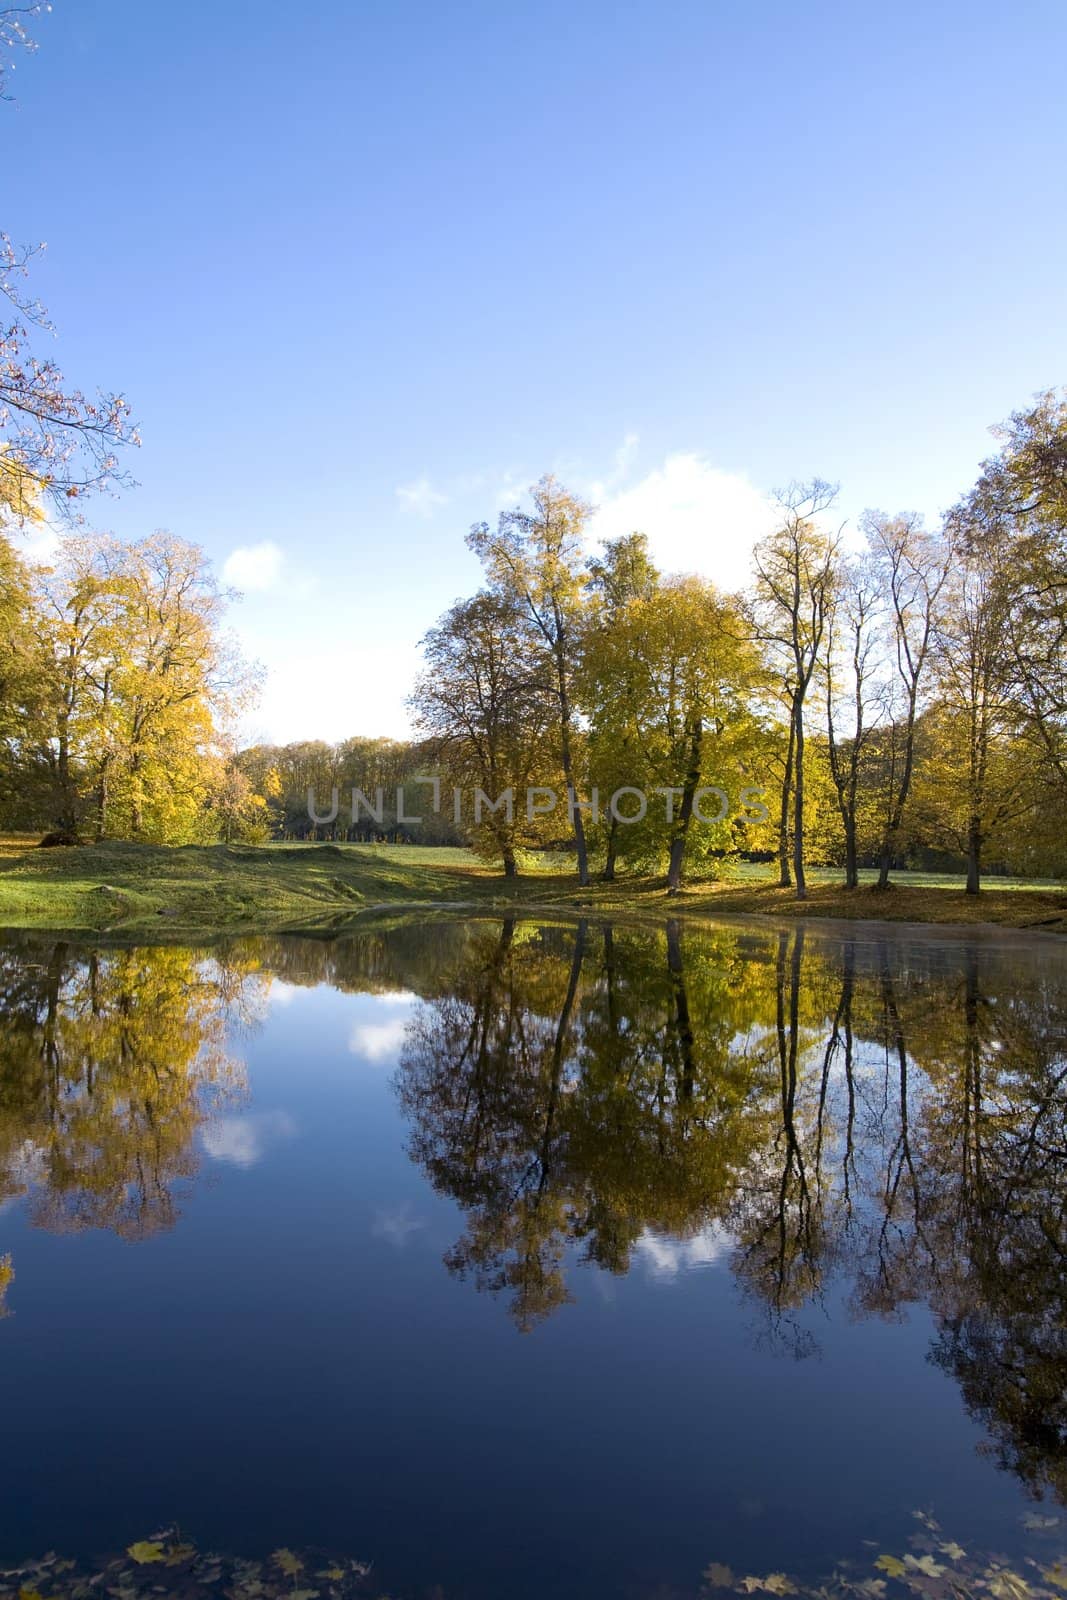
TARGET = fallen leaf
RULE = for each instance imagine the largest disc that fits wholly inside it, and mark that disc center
(954, 1551)
(718, 1575)
(179, 1553)
(891, 1565)
(289, 1563)
(146, 1550)
(1005, 1585)
(924, 1564)
(1035, 1524)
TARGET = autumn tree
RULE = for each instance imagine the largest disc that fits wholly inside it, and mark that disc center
(1019, 506)
(795, 575)
(484, 708)
(979, 785)
(536, 560)
(623, 579)
(141, 673)
(911, 567)
(852, 690)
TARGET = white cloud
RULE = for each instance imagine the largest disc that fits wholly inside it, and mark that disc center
(242, 1141)
(697, 518)
(337, 689)
(666, 1258)
(254, 566)
(624, 455)
(421, 497)
(40, 540)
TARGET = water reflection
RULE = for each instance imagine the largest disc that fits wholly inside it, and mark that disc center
(111, 1062)
(886, 1115)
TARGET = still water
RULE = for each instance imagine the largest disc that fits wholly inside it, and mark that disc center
(532, 1259)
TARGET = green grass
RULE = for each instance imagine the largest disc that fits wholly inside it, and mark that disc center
(131, 889)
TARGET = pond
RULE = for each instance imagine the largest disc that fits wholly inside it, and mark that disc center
(528, 1258)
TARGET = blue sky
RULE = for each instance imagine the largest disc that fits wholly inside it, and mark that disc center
(366, 270)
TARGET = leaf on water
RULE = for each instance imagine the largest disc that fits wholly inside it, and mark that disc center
(874, 1588)
(892, 1565)
(926, 1565)
(179, 1553)
(1035, 1524)
(718, 1576)
(146, 1550)
(29, 1594)
(1056, 1575)
(303, 1594)
(773, 1583)
(954, 1551)
(289, 1563)
(1005, 1585)
(335, 1574)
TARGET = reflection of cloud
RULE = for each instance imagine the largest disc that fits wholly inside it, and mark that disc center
(283, 994)
(666, 1258)
(376, 1041)
(242, 1141)
(396, 1226)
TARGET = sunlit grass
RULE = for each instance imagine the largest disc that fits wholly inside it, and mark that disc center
(128, 889)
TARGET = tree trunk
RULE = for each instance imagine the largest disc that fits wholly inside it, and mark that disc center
(103, 795)
(884, 863)
(785, 876)
(681, 826)
(974, 857)
(608, 875)
(136, 796)
(511, 865)
(798, 803)
(568, 771)
(852, 876)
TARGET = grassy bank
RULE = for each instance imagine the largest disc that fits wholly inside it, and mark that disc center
(201, 889)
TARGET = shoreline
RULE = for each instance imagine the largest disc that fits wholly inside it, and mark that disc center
(209, 891)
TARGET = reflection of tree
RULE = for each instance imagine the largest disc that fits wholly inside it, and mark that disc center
(1004, 1323)
(564, 1098)
(883, 1115)
(109, 1063)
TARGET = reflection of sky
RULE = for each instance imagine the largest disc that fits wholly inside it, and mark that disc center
(377, 1033)
(666, 1258)
(243, 1140)
(396, 1225)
